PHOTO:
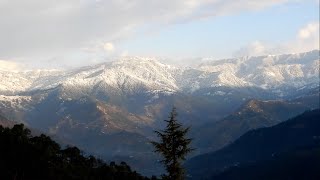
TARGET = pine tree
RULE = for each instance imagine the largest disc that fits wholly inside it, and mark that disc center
(173, 146)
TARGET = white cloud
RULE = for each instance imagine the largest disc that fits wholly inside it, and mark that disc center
(311, 30)
(253, 49)
(7, 65)
(45, 28)
(307, 39)
(109, 47)
(124, 53)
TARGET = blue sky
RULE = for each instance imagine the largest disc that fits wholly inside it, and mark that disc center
(220, 37)
(82, 32)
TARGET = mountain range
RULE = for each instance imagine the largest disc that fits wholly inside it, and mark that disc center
(111, 109)
(133, 74)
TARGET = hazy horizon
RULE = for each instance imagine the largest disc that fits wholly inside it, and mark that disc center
(182, 62)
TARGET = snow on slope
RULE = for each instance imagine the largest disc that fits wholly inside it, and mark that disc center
(126, 74)
(14, 102)
(13, 82)
(134, 74)
(266, 71)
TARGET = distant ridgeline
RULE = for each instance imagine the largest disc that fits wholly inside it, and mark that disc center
(23, 156)
(289, 150)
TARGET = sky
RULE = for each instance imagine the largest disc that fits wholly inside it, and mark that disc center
(68, 33)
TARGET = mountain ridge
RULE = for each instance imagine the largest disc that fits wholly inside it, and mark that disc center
(133, 74)
(250, 115)
(260, 144)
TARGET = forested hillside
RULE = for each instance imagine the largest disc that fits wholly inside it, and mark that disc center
(23, 156)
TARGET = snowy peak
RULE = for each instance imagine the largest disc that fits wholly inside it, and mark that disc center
(135, 74)
(266, 71)
(126, 75)
(13, 82)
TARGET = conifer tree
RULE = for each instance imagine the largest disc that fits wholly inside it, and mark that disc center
(173, 146)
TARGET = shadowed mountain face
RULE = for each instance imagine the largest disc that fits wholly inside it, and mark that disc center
(114, 133)
(261, 144)
(297, 164)
(251, 115)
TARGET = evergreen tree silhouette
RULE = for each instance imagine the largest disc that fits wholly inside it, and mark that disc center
(173, 146)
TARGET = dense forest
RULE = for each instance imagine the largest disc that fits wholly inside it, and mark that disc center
(23, 156)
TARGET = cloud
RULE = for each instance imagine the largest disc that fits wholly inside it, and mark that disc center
(44, 28)
(307, 39)
(311, 30)
(124, 53)
(253, 49)
(7, 65)
(109, 47)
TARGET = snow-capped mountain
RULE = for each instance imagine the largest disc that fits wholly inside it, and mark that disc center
(264, 71)
(15, 82)
(144, 85)
(131, 75)
(137, 84)
(132, 95)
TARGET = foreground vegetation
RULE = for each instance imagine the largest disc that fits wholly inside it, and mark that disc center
(174, 146)
(23, 156)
